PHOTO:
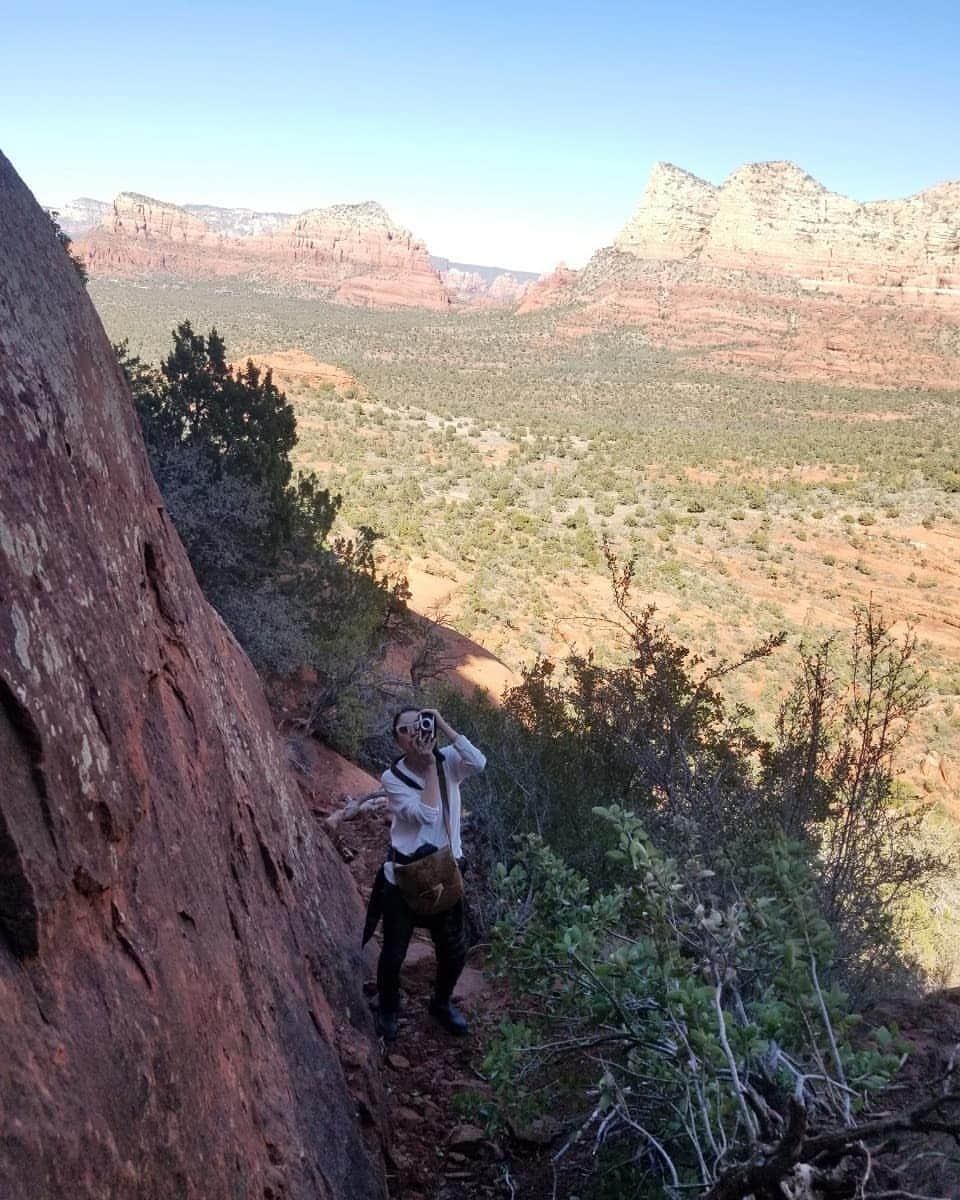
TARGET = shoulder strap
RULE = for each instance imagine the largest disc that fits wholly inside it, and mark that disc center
(442, 780)
(405, 778)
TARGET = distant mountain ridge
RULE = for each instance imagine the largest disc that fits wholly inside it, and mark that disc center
(490, 287)
(768, 270)
(771, 269)
(350, 253)
(238, 222)
(774, 216)
(85, 217)
(79, 216)
(487, 274)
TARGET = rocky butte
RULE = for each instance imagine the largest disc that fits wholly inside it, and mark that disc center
(774, 271)
(350, 253)
(180, 1001)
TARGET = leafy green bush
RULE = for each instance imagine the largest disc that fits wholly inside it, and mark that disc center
(678, 1022)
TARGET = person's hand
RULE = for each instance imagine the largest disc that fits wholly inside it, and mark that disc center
(444, 726)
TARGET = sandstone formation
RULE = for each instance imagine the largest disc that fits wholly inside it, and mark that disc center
(180, 1003)
(483, 287)
(775, 217)
(238, 222)
(471, 288)
(351, 253)
(774, 272)
(551, 289)
(673, 218)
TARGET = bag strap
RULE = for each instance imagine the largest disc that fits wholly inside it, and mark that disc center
(444, 799)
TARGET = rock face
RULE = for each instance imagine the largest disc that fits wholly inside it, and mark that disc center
(551, 289)
(483, 287)
(775, 217)
(81, 215)
(238, 222)
(673, 218)
(471, 288)
(351, 253)
(773, 271)
(180, 1002)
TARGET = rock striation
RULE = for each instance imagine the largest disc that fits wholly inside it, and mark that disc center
(350, 253)
(180, 1000)
(772, 270)
(549, 290)
(775, 217)
(673, 218)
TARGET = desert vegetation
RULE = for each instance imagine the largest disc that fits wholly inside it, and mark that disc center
(493, 455)
(686, 909)
(701, 840)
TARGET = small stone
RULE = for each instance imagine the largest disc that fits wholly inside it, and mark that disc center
(466, 1137)
(398, 1062)
(540, 1132)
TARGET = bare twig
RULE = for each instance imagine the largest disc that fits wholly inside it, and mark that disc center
(834, 1051)
(668, 1161)
(732, 1063)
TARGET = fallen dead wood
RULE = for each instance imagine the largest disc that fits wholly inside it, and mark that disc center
(353, 806)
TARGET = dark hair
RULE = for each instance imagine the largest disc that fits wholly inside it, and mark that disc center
(399, 713)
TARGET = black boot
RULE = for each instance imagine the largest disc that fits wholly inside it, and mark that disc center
(387, 1026)
(445, 1013)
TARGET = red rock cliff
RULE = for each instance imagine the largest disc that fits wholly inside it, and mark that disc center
(352, 253)
(180, 1007)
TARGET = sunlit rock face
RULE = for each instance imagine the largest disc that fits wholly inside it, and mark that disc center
(673, 217)
(556, 287)
(773, 273)
(180, 1002)
(773, 216)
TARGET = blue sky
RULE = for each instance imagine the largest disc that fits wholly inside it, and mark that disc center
(519, 134)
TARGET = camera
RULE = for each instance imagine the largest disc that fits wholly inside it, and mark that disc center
(426, 724)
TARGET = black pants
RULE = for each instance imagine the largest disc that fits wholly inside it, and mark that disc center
(449, 933)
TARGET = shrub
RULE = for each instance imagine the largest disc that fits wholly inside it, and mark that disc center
(832, 772)
(678, 1023)
(67, 243)
(219, 441)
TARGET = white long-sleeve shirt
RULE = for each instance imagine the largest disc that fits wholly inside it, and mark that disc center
(412, 822)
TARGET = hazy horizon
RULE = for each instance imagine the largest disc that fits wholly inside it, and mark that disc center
(516, 135)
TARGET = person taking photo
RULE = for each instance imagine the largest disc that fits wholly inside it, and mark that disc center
(420, 885)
